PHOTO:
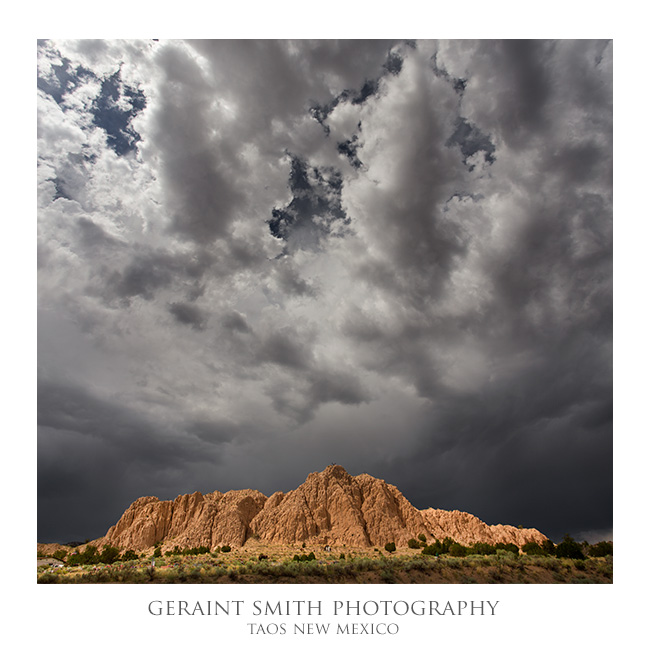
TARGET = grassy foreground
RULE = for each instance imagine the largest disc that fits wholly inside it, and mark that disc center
(356, 568)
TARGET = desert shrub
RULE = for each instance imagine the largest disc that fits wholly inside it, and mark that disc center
(365, 564)
(457, 550)
(390, 547)
(129, 555)
(287, 569)
(495, 575)
(533, 548)
(569, 549)
(600, 549)
(446, 544)
(157, 552)
(194, 574)
(342, 555)
(507, 557)
(226, 548)
(508, 546)
(453, 562)
(482, 549)
(313, 567)
(60, 554)
(422, 537)
(197, 550)
(412, 543)
(387, 575)
(548, 547)
(310, 557)
(550, 563)
(109, 555)
(88, 556)
(430, 550)
(416, 563)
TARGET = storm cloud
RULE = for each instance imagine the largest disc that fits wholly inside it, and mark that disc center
(257, 258)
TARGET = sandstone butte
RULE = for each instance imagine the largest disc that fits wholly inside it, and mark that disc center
(330, 507)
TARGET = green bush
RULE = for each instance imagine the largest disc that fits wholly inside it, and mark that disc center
(129, 555)
(310, 557)
(88, 556)
(109, 555)
(548, 547)
(438, 547)
(533, 548)
(412, 543)
(422, 537)
(482, 549)
(457, 550)
(569, 549)
(226, 548)
(157, 552)
(60, 554)
(431, 550)
(601, 549)
(390, 547)
(446, 544)
(387, 575)
(196, 550)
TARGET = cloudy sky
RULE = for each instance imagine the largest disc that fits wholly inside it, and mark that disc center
(257, 258)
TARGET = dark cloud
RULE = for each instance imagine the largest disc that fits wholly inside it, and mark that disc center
(235, 321)
(285, 348)
(214, 431)
(96, 455)
(92, 235)
(290, 281)
(395, 256)
(188, 314)
(142, 277)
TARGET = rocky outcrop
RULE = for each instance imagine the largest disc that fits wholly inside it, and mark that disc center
(334, 507)
(189, 520)
(467, 529)
(330, 507)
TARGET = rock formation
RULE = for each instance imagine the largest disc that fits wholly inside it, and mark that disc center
(330, 507)
(188, 521)
(334, 507)
(467, 529)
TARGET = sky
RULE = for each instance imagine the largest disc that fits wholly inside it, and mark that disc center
(257, 258)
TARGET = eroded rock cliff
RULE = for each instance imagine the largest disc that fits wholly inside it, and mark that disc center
(330, 507)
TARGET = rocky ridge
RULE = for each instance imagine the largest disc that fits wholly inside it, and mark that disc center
(330, 507)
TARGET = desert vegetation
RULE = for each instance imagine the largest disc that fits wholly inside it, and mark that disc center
(441, 562)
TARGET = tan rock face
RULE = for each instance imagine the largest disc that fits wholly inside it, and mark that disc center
(189, 520)
(329, 507)
(467, 529)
